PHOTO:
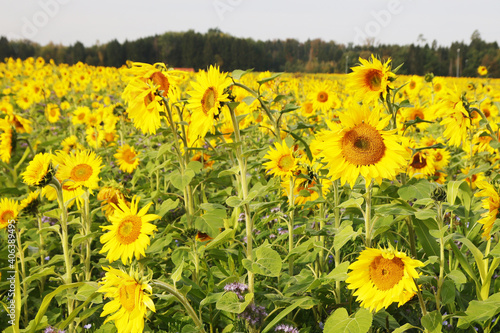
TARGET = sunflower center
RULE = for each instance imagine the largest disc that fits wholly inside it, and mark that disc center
(160, 79)
(53, 112)
(438, 157)
(127, 297)
(386, 273)
(128, 156)
(81, 172)
(6, 216)
(486, 113)
(308, 107)
(412, 85)
(417, 113)
(129, 229)
(81, 116)
(285, 163)
(374, 79)
(322, 97)
(363, 145)
(437, 87)
(208, 100)
(418, 161)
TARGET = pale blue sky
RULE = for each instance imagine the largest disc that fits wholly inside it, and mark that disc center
(387, 21)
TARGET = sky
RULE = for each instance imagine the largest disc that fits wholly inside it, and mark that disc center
(348, 21)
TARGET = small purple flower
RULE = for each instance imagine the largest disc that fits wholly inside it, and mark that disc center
(241, 218)
(253, 314)
(272, 236)
(45, 219)
(237, 288)
(87, 326)
(47, 258)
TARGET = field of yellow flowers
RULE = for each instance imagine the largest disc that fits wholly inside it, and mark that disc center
(152, 199)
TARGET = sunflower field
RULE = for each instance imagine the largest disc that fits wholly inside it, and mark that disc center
(152, 199)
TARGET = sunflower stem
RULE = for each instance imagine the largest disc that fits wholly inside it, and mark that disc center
(183, 300)
(336, 210)
(86, 227)
(441, 257)
(291, 202)
(41, 250)
(244, 194)
(20, 252)
(68, 277)
(266, 109)
(368, 215)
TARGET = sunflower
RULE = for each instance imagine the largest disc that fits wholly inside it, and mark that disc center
(455, 118)
(129, 232)
(491, 203)
(95, 137)
(111, 195)
(322, 96)
(306, 184)
(31, 202)
(441, 158)
(371, 79)
(360, 146)
(39, 171)
(71, 144)
(53, 112)
(209, 91)
(127, 158)
(9, 209)
(80, 169)
(130, 300)
(421, 165)
(383, 276)
(282, 160)
(80, 115)
(482, 70)
(20, 124)
(6, 140)
(473, 178)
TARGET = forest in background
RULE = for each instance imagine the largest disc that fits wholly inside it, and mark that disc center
(198, 50)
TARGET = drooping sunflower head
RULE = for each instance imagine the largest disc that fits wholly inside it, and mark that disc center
(361, 146)
(128, 234)
(30, 204)
(130, 299)
(371, 78)
(111, 194)
(39, 171)
(9, 209)
(383, 276)
(282, 160)
(80, 169)
(127, 158)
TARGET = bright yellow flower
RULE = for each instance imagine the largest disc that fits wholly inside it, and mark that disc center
(359, 145)
(482, 70)
(491, 203)
(130, 300)
(39, 170)
(209, 91)
(382, 277)
(371, 79)
(80, 169)
(128, 234)
(9, 209)
(127, 158)
(53, 112)
(282, 160)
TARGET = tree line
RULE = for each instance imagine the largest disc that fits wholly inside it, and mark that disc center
(198, 50)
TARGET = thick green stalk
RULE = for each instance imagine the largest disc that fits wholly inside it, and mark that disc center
(242, 164)
(23, 275)
(336, 211)
(291, 203)
(183, 300)
(368, 216)
(441, 257)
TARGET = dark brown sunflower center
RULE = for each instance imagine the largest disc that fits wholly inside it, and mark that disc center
(418, 161)
(148, 99)
(438, 157)
(6, 216)
(417, 113)
(386, 273)
(363, 145)
(412, 85)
